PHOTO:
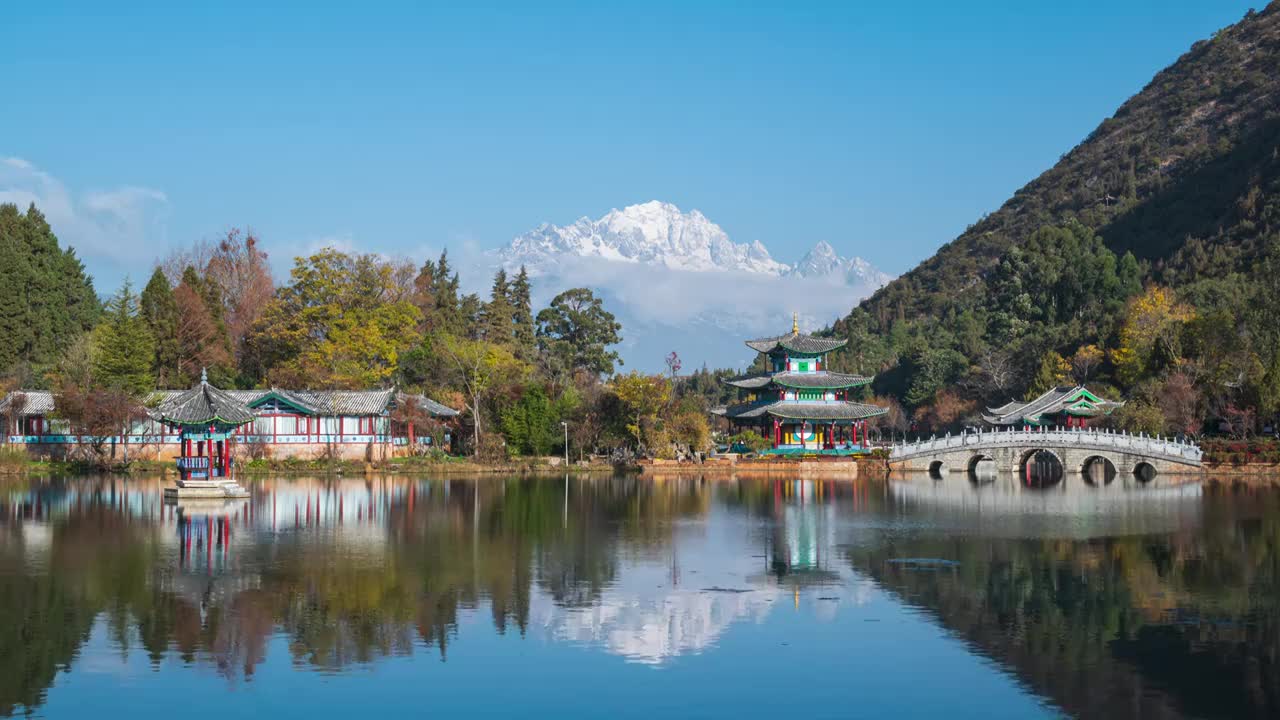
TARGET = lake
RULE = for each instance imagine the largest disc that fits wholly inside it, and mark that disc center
(640, 598)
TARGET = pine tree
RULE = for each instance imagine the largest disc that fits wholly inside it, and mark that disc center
(123, 346)
(160, 311)
(450, 313)
(524, 335)
(498, 312)
(46, 299)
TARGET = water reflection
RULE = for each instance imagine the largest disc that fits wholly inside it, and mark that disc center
(1104, 599)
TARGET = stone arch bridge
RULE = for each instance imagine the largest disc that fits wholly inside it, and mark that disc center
(1076, 449)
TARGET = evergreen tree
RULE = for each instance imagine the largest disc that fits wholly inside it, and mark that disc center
(160, 311)
(450, 314)
(470, 309)
(578, 329)
(46, 299)
(524, 335)
(123, 346)
(498, 313)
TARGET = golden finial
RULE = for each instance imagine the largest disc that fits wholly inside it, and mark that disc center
(795, 323)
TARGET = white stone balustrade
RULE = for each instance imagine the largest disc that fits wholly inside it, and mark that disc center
(1085, 439)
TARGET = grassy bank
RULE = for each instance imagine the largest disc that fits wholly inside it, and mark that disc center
(17, 462)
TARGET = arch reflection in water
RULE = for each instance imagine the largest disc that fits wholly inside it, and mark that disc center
(1006, 507)
(1098, 471)
(1042, 469)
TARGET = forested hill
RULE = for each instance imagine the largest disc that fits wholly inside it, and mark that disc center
(1185, 176)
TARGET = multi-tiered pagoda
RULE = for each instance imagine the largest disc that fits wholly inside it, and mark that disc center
(797, 403)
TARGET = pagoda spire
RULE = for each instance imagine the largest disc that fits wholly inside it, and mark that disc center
(795, 323)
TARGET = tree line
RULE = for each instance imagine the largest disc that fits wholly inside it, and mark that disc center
(341, 321)
(1061, 309)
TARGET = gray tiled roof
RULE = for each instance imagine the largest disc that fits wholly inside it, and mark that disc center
(431, 406)
(324, 402)
(1052, 401)
(820, 379)
(750, 382)
(29, 402)
(202, 404)
(795, 410)
(797, 342)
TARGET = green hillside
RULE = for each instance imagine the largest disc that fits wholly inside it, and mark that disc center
(1179, 189)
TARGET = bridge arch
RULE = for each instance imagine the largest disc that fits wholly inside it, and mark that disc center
(936, 469)
(1098, 470)
(1041, 467)
(1144, 471)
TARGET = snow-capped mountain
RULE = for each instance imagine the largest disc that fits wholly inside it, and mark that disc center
(823, 262)
(659, 233)
(676, 281)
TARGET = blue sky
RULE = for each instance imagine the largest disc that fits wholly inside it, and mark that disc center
(883, 128)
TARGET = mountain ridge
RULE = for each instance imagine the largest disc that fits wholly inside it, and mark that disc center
(1179, 189)
(661, 234)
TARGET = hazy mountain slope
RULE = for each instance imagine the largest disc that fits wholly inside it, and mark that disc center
(1184, 175)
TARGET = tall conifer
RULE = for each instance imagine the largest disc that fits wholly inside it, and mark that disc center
(524, 333)
(123, 346)
(160, 311)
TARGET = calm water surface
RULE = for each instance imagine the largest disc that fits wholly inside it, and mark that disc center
(634, 598)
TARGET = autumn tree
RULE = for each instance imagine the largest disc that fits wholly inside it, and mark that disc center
(644, 397)
(335, 324)
(1150, 333)
(477, 366)
(233, 278)
(1053, 371)
(201, 338)
(1181, 404)
(1085, 362)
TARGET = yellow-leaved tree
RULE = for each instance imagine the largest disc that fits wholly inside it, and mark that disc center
(1149, 336)
(337, 324)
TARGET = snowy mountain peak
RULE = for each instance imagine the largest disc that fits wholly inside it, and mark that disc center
(824, 262)
(660, 233)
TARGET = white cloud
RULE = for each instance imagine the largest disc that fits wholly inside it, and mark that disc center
(703, 316)
(106, 227)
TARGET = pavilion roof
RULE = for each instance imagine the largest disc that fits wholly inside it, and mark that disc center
(800, 410)
(798, 342)
(819, 380)
(202, 405)
(1070, 399)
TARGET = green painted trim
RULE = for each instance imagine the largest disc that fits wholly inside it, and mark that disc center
(273, 395)
(202, 423)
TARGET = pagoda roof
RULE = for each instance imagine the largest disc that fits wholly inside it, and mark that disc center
(821, 379)
(798, 342)
(800, 410)
(202, 405)
(1069, 399)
